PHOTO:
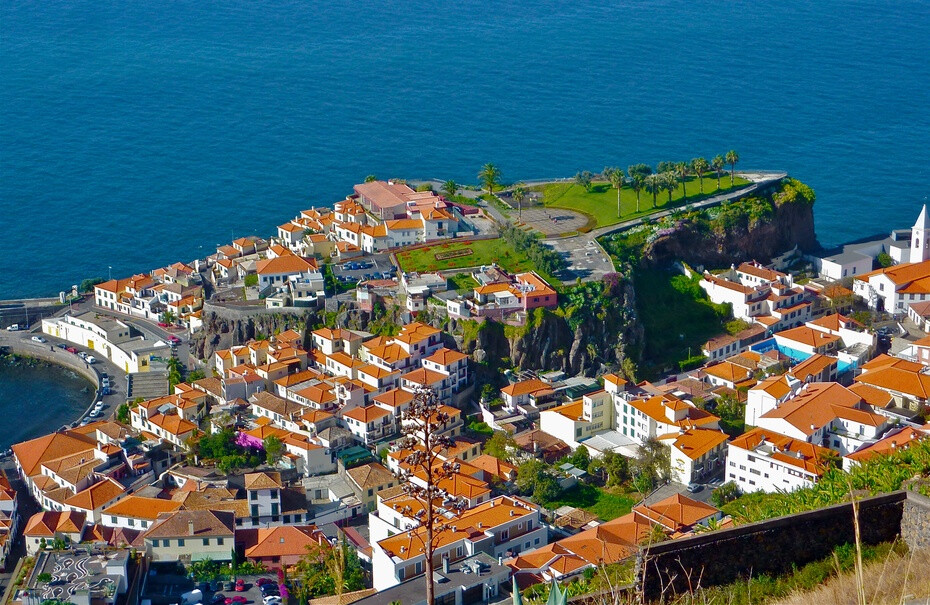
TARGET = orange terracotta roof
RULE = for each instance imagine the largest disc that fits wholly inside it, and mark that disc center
(139, 507)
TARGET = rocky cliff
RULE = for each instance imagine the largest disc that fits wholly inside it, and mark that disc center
(223, 328)
(755, 228)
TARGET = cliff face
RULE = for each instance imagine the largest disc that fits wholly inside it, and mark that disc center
(598, 333)
(770, 232)
(223, 329)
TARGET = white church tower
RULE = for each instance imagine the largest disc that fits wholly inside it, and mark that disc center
(920, 238)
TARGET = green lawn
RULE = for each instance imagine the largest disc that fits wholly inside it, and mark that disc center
(601, 201)
(483, 252)
(677, 317)
(462, 282)
(595, 500)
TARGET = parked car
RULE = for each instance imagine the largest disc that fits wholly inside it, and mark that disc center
(71, 350)
(38, 339)
(263, 581)
(230, 585)
(271, 599)
(95, 414)
(162, 324)
(90, 359)
(105, 381)
(15, 328)
(61, 345)
(695, 487)
(173, 339)
(98, 405)
(267, 589)
(240, 585)
(82, 355)
(218, 599)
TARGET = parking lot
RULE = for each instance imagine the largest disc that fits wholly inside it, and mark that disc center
(168, 587)
(370, 266)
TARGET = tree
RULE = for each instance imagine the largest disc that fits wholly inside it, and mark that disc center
(580, 458)
(615, 176)
(699, 166)
(273, 449)
(669, 183)
(87, 285)
(665, 167)
(423, 425)
(682, 170)
(732, 158)
(546, 489)
(498, 445)
(583, 179)
(528, 474)
(518, 195)
(489, 176)
(44, 577)
(370, 178)
(717, 164)
(638, 174)
(450, 188)
(168, 317)
(196, 375)
(653, 184)
(653, 461)
(327, 570)
(727, 492)
(122, 413)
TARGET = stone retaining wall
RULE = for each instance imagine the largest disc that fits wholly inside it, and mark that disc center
(915, 524)
(777, 545)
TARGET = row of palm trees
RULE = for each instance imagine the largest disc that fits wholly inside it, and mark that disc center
(667, 176)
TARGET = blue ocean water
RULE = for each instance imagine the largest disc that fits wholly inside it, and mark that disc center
(132, 133)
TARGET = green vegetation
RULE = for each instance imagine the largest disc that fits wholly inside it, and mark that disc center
(489, 177)
(328, 570)
(879, 474)
(545, 260)
(250, 280)
(207, 570)
(677, 316)
(87, 285)
(462, 282)
(221, 448)
(122, 413)
(599, 200)
(479, 428)
(597, 501)
(483, 252)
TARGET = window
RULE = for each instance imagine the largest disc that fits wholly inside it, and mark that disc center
(206, 541)
(219, 541)
(180, 541)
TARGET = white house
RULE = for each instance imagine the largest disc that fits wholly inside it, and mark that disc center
(763, 460)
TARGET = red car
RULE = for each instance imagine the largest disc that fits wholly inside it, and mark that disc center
(162, 324)
(240, 586)
(263, 581)
(71, 350)
(238, 599)
(174, 339)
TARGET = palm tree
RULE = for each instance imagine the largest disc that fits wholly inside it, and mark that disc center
(637, 183)
(518, 195)
(682, 170)
(490, 177)
(168, 317)
(450, 188)
(583, 179)
(700, 166)
(670, 184)
(732, 159)
(718, 163)
(615, 176)
(653, 184)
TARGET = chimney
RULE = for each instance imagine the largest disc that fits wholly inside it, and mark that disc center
(445, 564)
(500, 559)
(190, 527)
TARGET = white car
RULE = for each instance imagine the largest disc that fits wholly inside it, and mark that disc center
(90, 359)
(38, 339)
(95, 414)
(82, 354)
(271, 600)
(98, 405)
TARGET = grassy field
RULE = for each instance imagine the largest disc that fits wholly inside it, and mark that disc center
(677, 316)
(483, 252)
(595, 500)
(601, 201)
(462, 282)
